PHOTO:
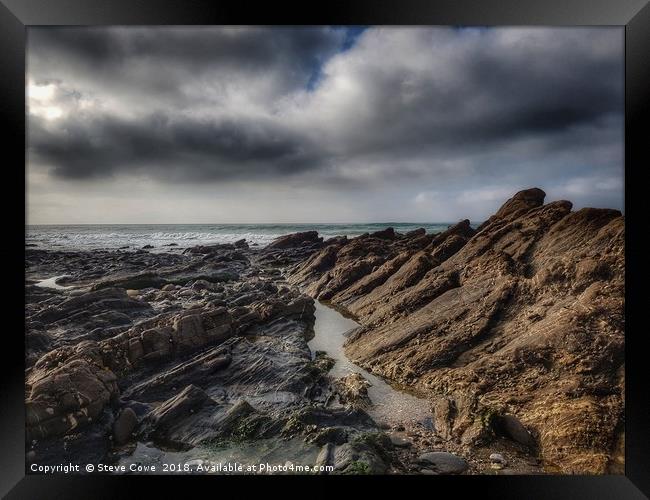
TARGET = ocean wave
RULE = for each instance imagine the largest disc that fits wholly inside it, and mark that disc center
(183, 236)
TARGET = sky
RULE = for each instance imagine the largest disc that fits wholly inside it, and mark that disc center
(318, 124)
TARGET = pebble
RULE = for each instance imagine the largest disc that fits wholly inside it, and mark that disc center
(399, 441)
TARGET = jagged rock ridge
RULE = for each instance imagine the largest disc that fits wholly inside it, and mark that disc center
(515, 328)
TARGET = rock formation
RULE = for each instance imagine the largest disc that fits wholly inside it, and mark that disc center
(514, 329)
(208, 347)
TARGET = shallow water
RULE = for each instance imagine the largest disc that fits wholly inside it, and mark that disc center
(390, 404)
(51, 283)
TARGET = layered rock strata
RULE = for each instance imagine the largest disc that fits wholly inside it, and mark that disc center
(515, 328)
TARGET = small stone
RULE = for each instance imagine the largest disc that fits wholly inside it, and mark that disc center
(133, 293)
(497, 458)
(399, 441)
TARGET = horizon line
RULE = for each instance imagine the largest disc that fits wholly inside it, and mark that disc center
(237, 223)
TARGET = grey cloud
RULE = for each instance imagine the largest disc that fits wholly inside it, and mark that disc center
(441, 107)
(172, 55)
(188, 46)
(494, 96)
(159, 144)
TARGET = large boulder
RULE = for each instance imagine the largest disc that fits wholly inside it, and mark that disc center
(386, 234)
(66, 389)
(296, 239)
(520, 203)
(179, 334)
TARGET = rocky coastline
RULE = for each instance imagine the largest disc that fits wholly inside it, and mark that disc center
(514, 331)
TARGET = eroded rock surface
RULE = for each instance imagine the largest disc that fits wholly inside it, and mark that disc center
(514, 329)
(202, 348)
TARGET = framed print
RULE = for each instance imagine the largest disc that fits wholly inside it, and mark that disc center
(378, 242)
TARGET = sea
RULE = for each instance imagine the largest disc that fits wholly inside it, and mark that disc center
(169, 237)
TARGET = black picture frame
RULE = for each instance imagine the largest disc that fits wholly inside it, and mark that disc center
(633, 15)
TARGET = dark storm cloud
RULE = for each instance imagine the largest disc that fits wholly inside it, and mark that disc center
(345, 108)
(206, 150)
(184, 49)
